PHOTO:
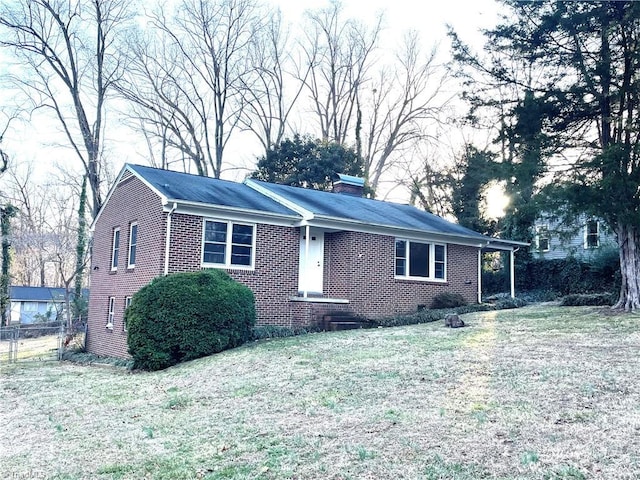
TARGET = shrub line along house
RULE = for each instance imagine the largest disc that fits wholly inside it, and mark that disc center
(304, 253)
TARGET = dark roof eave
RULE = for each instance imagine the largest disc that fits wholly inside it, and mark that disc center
(366, 226)
(212, 207)
(498, 244)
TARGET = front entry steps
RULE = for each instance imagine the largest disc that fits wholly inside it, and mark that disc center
(343, 321)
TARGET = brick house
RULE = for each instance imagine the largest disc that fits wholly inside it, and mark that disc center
(304, 253)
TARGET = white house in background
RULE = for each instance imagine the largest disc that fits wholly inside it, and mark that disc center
(587, 237)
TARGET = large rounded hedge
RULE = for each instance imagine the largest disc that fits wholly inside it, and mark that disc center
(183, 316)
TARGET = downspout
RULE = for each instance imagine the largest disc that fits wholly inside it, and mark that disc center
(168, 239)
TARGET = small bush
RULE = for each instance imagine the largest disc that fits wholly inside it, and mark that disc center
(593, 299)
(433, 315)
(508, 303)
(272, 331)
(184, 316)
(448, 300)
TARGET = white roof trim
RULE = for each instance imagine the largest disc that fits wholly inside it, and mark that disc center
(231, 213)
(306, 214)
(126, 172)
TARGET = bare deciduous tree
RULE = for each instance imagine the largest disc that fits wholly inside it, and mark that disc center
(405, 101)
(269, 90)
(187, 90)
(42, 232)
(70, 61)
(338, 55)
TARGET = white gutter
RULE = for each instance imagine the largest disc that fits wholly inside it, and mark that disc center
(168, 238)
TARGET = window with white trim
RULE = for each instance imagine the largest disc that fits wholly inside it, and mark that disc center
(115, 248)
(419, 260)
(133, 245)
(592, 234)
(111, 313)
(542, 238)
(228, 244)
(127, 302)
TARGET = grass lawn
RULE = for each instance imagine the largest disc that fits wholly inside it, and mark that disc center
(540, 392)
(39, 348)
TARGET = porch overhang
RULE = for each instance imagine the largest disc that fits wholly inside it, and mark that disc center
(500, 245)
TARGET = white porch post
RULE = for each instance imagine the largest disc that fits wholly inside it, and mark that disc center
(480, 275)
(305, 292)
(512, 273)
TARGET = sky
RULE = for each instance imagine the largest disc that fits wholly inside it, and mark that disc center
(38, 143)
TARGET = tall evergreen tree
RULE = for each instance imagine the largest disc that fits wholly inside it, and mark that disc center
(476, 170)
(587, 59)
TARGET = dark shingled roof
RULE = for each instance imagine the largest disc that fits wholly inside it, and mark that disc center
(375, 212)
(206, 190)
(333, 206)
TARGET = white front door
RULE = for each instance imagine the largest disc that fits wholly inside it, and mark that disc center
(311, 261)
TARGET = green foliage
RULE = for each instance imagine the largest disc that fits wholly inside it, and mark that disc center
(184, 316)
(588, 299)
(306, 162)
(448, 300)
(579, 102)
(524, 166)
(81, 357)
(559, 276)
(79, 305)
(273, 331)
(476, 170)
(7, 212)
(433, 315)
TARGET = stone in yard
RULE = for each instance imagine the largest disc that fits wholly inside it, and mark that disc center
(452, 320)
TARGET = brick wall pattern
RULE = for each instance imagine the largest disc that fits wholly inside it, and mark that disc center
(358, 267)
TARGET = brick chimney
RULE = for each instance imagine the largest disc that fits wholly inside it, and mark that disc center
(348, 185)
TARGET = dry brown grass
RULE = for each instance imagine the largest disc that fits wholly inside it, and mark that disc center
(38, 348)
(536, 393)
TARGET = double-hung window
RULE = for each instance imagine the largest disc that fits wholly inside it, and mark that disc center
(127, 302)
(115, 248)
(228, 244)
(419, 260)
(133, 245)
(111, 312)
(592, 234)
(542, 238)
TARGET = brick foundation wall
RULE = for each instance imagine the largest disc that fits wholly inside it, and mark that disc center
(131, 202)
(360, 267)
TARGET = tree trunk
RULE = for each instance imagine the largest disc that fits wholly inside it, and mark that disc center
(629, 241)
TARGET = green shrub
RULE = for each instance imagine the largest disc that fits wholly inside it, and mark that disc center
(508, 303)
(592, 299)
(273, 331)
(448, 300)
(433, 315)
(184, 316)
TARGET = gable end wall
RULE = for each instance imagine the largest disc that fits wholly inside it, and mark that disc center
(131, 201)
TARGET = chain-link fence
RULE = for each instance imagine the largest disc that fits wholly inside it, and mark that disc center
(37, 342)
